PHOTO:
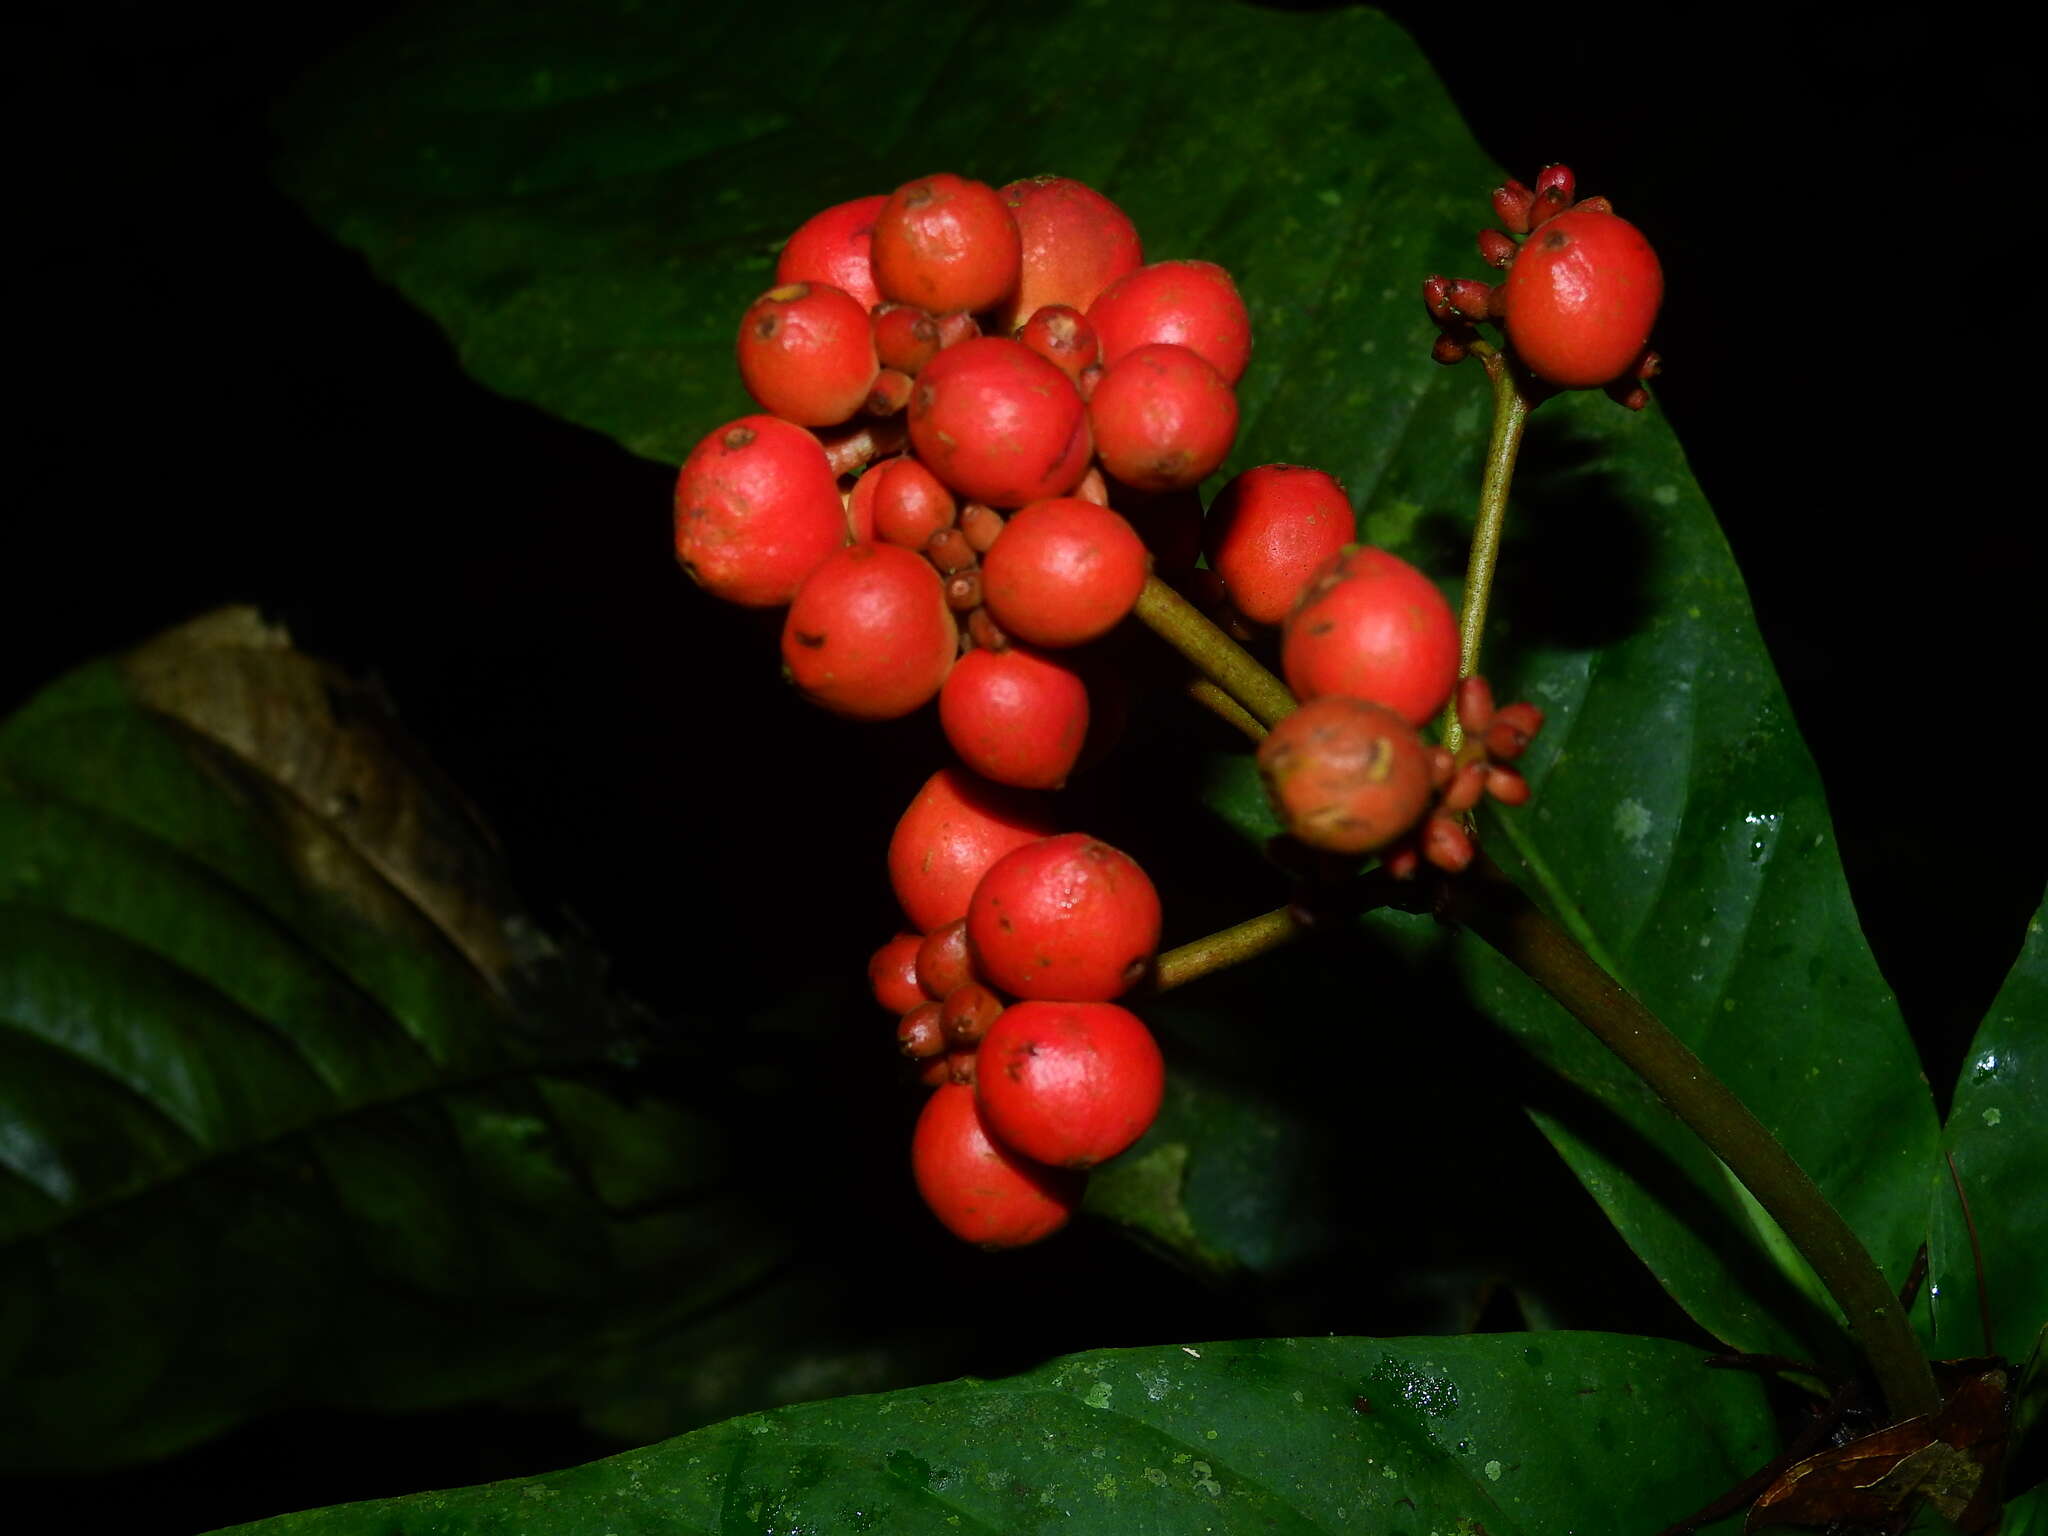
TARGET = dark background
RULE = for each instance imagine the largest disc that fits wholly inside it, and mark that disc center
(224, 406)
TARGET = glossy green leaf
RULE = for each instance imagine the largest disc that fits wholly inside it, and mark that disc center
(1997, 1141)
(1400, 1436)
(296, 1102)
(586, 206)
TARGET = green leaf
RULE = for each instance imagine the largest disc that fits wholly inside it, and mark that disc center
(1404, 1436)
(1997, 1141)
(296, 1101)
(588, 205)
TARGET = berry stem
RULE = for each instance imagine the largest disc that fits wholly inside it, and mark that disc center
(1511, 407)
(1227, 947)
(1225, 708)
(1496, 909)
(1216, 656)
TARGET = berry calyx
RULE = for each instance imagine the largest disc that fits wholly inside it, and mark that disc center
(1064, 572)
(1269, 530)
(1068, 917)
(1069, 1084)
(954, 829)
(1372, 626)
(1191, 304)
(999, 424)
(1076, 242)
(983, 1192)
(756, 509)
(832, 247)
(1016, 716)
(807, 353)
(1345, 775)
(1581, 297)
(869, 634)
(946, 244)
(1163, 418)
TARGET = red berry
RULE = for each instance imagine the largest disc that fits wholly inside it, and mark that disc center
(1191, 304)
(1063, 337)
(869, 634)
(860, 503)
(893, 974)
(910, 504)
(1269, 531)
(906, 337)
(984, 1193)
(1581, 298)
(956, 827)
(942, 962)
(1345, 775)
(1372, 626)
(756, 509)
(1064, 572)
(921, 1032)
(832, 247)
(969, 1010)
(946, 243)
(1015, 716)
(1076, 242)
(1069, 1084)
(1163, 418)
(807, 353)
(998, 423)
(980, 524)
(1066, 917)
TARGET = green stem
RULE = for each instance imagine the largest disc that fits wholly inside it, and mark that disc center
(1231, 946)
(1511, 407)
(1216, 656)
(1225, 708)
(1496, 909)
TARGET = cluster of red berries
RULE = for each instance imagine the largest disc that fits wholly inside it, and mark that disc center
(983, 421)
(1028, 1094)
(1582, 290)
(978, 545)
(957, 382)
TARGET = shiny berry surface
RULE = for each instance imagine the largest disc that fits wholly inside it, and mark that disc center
(869, 634)
(998, 423)
(756, 510)
(892, 974)
(1067, 918)
(1076, 242)
(946, 243)
(1581, 298)
(1069, 1084)
(1064, 572)
(954, 829)
(1192, 304)
(1269, 530)
(832, 247)
(983, 1192)
(1163, 418)
(807, 354)
(1372, 626)
(1016, 716)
